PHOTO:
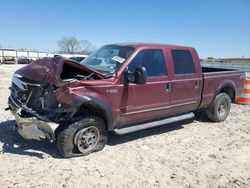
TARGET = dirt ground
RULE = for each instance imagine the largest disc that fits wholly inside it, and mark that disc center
(194, 153)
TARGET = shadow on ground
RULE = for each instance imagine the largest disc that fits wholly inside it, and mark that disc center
(15, 144)
(114, 139)
(120, 139)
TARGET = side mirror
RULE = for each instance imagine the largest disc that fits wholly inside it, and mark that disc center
(140, 75)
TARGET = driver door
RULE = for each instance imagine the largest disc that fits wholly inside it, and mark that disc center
(150, 100)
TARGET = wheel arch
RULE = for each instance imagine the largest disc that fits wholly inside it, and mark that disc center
(228, 88)
(94, 106)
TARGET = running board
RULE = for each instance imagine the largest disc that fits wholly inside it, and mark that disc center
(140, 127)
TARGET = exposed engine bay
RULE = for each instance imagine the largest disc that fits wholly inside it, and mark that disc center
(70, 72)
(36, 96)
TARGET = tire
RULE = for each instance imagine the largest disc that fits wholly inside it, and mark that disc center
(82, 137)
(219, 109)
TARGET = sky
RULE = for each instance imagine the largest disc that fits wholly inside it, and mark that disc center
(216, 28)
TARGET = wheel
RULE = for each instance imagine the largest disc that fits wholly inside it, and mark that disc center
(219, 109)
(82, 137)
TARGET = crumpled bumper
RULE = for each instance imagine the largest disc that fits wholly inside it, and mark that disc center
(32, 128)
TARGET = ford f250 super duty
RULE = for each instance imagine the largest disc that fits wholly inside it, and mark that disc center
(121, 88)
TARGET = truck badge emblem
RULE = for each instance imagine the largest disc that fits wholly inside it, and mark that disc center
(111, 91)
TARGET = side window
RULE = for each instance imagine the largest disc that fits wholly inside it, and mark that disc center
(183, 62)
(152, 60)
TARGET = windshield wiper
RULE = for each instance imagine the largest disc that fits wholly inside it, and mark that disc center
(93, 69)
(109, 75)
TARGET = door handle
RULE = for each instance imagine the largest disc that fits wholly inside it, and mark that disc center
(197, 84)
(168, 87)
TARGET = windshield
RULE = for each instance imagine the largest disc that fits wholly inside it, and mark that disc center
(108, 59)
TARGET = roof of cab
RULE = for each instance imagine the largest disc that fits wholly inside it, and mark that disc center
(139, 44)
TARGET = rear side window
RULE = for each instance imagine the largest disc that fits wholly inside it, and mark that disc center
(152, 60)
(183, 62)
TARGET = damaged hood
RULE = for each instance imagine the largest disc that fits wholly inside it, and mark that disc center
(48, 70)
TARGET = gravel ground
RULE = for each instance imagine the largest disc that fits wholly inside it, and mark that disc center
(194, 153)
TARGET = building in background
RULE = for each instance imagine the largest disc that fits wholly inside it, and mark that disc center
(230, 60)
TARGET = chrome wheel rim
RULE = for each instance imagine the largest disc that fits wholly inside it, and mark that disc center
(86, 139)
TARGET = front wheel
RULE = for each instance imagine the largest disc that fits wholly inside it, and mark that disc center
(219, 109)
(82, 137)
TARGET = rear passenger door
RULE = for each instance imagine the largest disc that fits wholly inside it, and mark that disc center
(185, 87)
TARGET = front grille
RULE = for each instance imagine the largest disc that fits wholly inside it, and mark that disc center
(26, 93)
(19, 90)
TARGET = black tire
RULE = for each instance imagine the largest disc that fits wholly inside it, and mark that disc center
(70, 136)
(219, 109)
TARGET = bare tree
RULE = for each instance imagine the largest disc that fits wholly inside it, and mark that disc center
(69, 44)
(86, 46)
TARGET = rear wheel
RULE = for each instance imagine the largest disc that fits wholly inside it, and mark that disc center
(219, 109)
(82, 137)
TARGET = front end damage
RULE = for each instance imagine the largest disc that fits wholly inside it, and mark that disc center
(33, 128)
(36, 93)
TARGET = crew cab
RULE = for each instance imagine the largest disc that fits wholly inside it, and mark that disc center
(122, 88)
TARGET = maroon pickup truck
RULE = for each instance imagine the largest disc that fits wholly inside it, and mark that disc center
(121, 88)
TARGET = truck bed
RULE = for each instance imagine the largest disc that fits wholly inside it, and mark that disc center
(211, 69)
(215, 78)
